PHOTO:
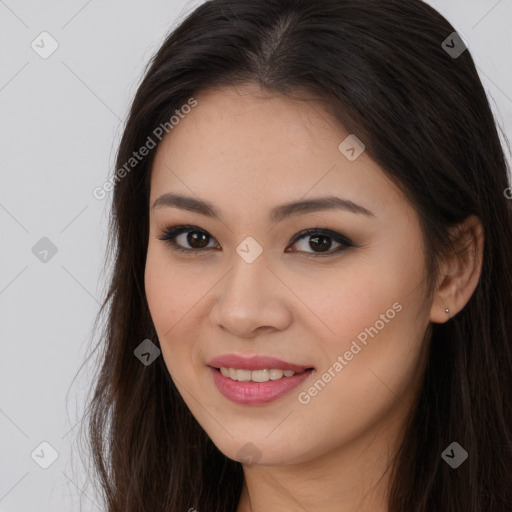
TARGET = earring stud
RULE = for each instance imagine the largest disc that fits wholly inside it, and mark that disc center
(447, 311)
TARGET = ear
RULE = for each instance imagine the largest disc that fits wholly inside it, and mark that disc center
(460, 271)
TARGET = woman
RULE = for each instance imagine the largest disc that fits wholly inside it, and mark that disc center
(310, 301)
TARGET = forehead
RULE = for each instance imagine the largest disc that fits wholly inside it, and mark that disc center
(254, 147)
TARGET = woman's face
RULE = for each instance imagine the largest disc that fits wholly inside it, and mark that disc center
(345, 300)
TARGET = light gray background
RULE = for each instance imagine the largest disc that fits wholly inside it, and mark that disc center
(61, 119)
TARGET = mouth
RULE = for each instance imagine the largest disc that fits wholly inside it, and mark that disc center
(256, 379)
(257, 387)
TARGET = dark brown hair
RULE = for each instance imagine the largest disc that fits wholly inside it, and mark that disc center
(380, 68)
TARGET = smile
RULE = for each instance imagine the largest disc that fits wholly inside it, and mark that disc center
(247, 389)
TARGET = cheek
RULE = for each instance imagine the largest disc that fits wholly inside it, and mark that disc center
(169, 291)
(360, 383)
(159, 283)
(347, 303)
(174, 300)
(167, 295)
(370, 319)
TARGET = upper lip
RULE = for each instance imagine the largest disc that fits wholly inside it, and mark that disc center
(256, 362)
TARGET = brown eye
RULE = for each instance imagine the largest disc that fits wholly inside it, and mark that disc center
(320, 241)
(196, 239)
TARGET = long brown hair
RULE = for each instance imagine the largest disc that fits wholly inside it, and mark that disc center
(380, 67)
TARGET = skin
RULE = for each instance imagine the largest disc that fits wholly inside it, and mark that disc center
(246, 151)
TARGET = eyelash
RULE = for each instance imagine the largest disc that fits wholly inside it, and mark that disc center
(169, 234)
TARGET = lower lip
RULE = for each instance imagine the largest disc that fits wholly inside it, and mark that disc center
(254, 393)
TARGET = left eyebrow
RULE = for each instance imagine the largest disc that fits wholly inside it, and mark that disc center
(318, 204)
(277, 213)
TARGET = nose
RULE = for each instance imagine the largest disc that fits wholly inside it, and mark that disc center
(251, 299)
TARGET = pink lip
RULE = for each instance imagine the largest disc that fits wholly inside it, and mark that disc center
(254, 363)
(254, 393)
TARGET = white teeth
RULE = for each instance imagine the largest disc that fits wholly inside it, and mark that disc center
(243, 375)
(260, 375)
(276, 374)
(255, 375)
